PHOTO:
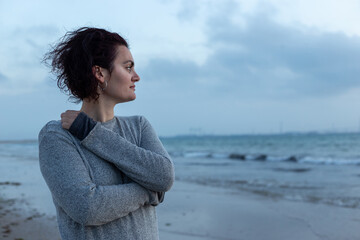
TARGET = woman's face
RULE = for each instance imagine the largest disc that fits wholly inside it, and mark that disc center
(121, 81)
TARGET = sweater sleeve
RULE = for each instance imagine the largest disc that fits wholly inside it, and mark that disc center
(82, 126)
(147, 164)
(73, 189)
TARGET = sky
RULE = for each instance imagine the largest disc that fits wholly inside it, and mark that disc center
(206, 67)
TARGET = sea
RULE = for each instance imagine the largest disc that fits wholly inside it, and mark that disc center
(322, 168)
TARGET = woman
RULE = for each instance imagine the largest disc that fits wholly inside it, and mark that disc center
(106, 173)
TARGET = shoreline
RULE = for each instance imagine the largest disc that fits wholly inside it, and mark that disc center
(196, 212)
(20, 221)
(213, 213)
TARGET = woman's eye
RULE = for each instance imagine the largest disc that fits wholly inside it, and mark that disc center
(129, 68)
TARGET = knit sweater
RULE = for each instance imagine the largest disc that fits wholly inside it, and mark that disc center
(105, 186)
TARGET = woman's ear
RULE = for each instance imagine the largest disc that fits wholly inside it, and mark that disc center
(97, 71)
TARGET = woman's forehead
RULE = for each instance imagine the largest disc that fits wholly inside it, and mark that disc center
(123, 54)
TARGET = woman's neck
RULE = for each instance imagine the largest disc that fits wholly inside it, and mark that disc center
(99, 111)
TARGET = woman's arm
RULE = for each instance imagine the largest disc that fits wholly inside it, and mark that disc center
(147, 164)
(73, 189)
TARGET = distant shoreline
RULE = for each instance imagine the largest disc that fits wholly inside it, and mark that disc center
(5, 141)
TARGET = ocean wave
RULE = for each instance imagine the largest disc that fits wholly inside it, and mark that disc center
(207, 164)
(197, 154)
(329, 161)
(296, 170)
(292, 192)
(268, 158)
(347, 202)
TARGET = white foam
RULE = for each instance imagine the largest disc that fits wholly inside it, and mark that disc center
(197, 154)
(329, 161)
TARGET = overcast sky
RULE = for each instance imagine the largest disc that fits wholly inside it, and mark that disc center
(206, 67)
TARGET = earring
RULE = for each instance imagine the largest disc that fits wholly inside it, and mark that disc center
(102, 89)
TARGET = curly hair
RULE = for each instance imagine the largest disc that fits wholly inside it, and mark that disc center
(72, 59)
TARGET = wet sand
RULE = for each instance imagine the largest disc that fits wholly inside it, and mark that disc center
(21, 222)
(200, 212)
(195, 212)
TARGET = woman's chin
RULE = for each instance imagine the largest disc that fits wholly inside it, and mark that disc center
(133, 97)
(122, 100)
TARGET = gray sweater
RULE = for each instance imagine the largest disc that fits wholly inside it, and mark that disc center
(105, 186)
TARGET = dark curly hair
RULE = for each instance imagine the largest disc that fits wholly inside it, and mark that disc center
(72, 59)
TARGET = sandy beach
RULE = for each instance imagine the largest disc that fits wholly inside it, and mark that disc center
(26, 208)
(189, 212)
(197, 210)
(201, 212)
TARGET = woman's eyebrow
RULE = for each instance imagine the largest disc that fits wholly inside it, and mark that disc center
(129, 61)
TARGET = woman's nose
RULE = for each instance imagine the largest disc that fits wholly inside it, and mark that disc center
(136, 77)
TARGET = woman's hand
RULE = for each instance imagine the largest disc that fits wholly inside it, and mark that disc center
(68, 117)
(154, 198)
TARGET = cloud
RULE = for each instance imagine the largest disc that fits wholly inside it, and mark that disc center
(3, 78)
(275, 59)
(25, 47)
(189, 10)
(265, 59)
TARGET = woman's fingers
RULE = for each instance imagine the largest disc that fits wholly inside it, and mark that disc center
(68, 117)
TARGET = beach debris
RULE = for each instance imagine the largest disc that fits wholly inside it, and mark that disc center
(296, 170)
(239, 182)
(6, 229)
(291, 159)
(36, 215)
(237, 156)
(261, 157)
(10, 183)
